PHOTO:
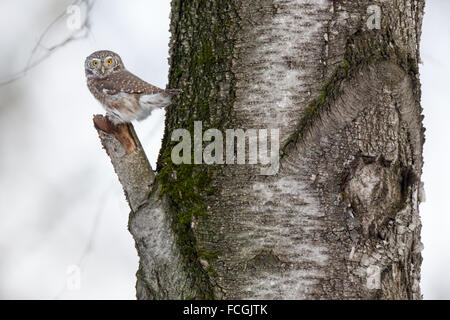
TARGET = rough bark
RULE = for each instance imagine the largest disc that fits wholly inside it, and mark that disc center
(163, 272)
(340, 219)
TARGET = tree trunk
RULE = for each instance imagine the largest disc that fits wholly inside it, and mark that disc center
(340, 218)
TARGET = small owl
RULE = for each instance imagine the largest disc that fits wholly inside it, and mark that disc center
(124, 96)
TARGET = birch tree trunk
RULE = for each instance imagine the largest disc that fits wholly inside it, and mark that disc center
(340, 219)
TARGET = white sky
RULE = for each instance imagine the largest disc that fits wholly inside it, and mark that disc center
(58, 191)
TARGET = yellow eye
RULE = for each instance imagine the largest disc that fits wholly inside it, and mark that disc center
(109, 61)
(95, 63)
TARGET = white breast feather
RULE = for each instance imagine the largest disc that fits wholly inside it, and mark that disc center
(128, 102)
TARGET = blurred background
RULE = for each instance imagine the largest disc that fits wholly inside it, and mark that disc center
(63, 217)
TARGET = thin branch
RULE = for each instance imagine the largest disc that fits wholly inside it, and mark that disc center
(81, 33)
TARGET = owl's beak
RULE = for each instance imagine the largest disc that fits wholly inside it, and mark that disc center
(103, 69)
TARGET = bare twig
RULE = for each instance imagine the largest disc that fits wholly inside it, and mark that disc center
(81, 33)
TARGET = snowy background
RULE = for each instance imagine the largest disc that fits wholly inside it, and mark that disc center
(62, 210)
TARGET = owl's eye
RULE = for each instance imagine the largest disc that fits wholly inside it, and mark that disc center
(109, 61)
(95, 63)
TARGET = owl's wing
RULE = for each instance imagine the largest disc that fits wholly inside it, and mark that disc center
(124, 81)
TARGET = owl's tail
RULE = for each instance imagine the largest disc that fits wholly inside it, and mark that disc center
(173, 92)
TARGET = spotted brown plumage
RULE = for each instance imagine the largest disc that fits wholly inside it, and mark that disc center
(124, 96)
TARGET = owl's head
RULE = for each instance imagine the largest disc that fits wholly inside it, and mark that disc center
(102, 63)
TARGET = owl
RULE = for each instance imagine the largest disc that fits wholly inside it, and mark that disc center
(124, 96)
